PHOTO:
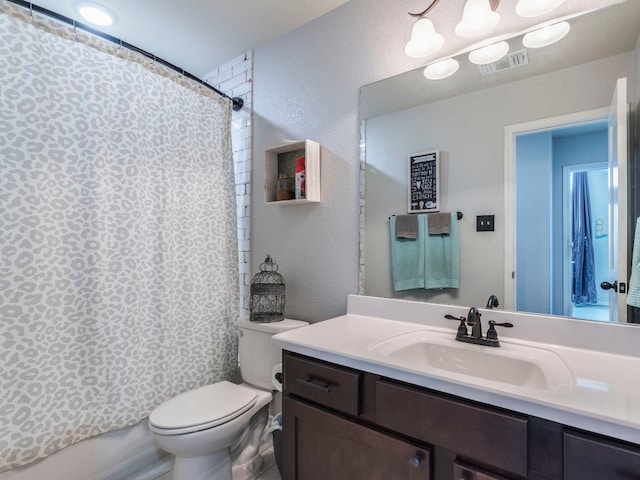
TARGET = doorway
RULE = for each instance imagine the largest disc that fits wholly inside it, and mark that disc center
(546, 235)
(546, 163)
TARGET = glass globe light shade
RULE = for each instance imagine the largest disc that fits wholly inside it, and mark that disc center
(477, 19)
(489, 54)
(546, 35)
(441, 69)
(424, 39)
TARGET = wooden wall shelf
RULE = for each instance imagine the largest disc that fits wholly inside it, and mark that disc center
(281, 161)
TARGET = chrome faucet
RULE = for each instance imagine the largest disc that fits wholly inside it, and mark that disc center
(493, 302)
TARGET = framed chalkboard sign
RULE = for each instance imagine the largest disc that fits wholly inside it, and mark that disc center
(424, 182)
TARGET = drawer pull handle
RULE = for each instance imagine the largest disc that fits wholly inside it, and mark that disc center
(415, 462)
(315, 383)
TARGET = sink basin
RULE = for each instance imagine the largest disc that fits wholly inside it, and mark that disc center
(511, 364)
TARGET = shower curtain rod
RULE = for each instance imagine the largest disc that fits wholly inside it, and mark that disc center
(237, 101)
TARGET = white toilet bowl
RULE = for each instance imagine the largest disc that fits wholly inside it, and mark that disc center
(199, 427)
(211, 427)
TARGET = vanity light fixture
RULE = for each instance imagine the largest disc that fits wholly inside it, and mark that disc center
(424, 39)
(546, 35)
(478, 17)
(489, 54)
(533, 8)
(95, 14)
(441, 69)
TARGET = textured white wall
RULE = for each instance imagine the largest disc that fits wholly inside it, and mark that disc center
(306, 86)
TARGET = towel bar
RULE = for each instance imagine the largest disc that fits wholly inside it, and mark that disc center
(459, 214)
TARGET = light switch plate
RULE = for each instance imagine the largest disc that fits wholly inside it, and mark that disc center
(485, 223)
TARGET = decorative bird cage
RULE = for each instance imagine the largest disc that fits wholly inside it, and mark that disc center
(267, 294)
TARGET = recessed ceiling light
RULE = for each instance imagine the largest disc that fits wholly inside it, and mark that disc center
(95, 14)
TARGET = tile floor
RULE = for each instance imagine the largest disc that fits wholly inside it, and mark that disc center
(271, 474)
(162, 469)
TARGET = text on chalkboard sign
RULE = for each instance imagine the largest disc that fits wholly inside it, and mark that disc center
(424, 182)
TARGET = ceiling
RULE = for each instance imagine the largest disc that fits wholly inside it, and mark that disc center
(200, 35)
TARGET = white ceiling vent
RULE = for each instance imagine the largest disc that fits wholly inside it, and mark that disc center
(512, 60)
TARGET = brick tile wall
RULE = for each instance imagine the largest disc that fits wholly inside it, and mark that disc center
(234, 78)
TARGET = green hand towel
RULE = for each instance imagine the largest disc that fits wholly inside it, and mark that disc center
(442, 257)
(407, 258)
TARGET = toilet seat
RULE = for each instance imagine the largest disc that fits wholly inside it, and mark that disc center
(203, 408)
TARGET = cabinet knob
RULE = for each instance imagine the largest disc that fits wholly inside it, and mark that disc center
(415, 462)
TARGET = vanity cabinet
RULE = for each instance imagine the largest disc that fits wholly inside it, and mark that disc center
(341, 423)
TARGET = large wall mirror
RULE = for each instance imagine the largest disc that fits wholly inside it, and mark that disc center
(512, 144)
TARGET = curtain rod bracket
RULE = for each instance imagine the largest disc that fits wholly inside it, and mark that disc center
(238, 103)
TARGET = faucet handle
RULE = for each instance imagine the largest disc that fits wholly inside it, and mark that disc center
(462, 328)
(492, 334)
(503, 324)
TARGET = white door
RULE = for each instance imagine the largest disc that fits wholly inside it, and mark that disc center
(618, 152)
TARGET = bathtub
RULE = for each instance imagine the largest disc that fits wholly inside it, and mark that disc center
(110, 456)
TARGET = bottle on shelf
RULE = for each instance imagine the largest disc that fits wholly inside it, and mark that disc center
(284, 187)
(299, 178)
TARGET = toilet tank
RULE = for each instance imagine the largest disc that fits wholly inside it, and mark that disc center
(258, 356)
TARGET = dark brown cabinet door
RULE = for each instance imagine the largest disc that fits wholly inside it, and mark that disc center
(588, 457)
(487, 435)
(320, 446)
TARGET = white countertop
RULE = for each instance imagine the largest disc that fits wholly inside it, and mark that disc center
(603, 396)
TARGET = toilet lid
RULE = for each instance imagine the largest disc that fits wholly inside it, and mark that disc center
(204, 407)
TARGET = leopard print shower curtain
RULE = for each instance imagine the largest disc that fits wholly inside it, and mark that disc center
(118, 236)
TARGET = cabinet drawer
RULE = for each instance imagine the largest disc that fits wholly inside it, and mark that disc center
(588, 456)
(328, 385)
(490, 436)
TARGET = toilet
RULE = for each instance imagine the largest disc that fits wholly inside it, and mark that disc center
(216, 429)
